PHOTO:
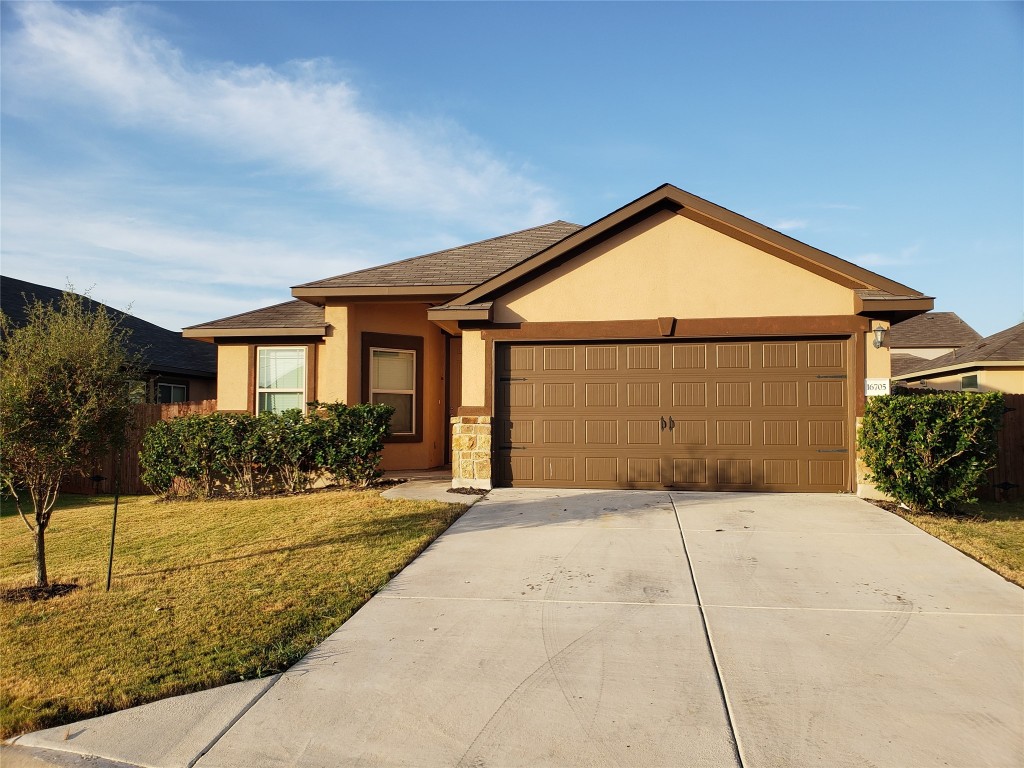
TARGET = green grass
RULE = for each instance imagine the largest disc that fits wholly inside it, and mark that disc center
(990, 532)
(204, 593)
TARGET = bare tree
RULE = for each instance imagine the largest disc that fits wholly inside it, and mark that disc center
(66, 378)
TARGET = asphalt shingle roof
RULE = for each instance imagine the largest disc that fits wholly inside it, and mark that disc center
(932, 329)
(1005, 347)
(465, 265)
(288, 314)
(162, 349)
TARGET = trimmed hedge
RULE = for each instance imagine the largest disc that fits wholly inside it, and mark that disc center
(240, 454)
(931, 450)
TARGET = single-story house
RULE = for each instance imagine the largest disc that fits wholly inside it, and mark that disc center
(670, 344)
(992, 364)
(177, 369)
(926, 337)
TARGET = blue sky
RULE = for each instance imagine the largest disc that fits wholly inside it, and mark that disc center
(194, 160)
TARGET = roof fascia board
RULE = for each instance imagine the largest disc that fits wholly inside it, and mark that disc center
(208, 333)
(456, 313)
(429, 291)
(875, 306)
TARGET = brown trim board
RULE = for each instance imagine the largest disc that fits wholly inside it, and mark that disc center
(823, 325)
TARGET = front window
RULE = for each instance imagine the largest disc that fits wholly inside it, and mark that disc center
(393, 382)
(280, 379)
(969, 382)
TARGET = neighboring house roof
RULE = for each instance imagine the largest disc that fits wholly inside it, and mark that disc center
(455, 269)
(1005, 348)
(290, 318)
(874, 293)
(932, 329)
(902, 362)
(163, 351)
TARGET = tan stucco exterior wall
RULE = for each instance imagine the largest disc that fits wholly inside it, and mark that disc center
(474, 375)
(232, 377)
(341, 371)
(877, 362)
(671, 266)
(1009, 380)
(332, 373)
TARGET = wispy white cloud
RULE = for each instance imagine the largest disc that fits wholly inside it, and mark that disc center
(172, 276)
(303, 119)
(791, 225)
(902, 257)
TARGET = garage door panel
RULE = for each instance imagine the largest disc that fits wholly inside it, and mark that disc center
(779, 355)
(826, 354)
(826, 394)
(730, 415)
(733, 394)
(689, 357)
(690, 433)
(689, 394)
(643, 394)
(601, 394)
(732, 355)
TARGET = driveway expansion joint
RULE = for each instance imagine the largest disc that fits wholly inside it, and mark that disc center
(729, 715)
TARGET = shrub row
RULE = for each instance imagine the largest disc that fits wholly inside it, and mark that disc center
(931, 450)
(241, 454)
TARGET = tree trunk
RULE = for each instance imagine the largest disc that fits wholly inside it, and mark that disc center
(41, 580)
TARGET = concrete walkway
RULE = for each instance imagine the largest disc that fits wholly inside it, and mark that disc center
(574, 628)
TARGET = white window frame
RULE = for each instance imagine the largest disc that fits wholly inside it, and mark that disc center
(963, 382)
(262, 390)
(411, 392)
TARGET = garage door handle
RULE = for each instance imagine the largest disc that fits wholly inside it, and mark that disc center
(663, 424)
(671, 423)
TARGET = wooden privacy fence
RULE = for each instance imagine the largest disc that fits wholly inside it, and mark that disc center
(146, 415)
(1006, 481)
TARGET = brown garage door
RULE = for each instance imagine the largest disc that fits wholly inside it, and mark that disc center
(704, 415)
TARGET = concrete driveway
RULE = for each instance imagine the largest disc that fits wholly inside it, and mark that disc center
(573, 628)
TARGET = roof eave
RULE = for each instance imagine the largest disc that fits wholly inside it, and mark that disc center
(902, 305)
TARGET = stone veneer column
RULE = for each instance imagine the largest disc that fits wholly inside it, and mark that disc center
(471, 452)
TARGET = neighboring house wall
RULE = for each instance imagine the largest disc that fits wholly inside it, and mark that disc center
(1009, 380)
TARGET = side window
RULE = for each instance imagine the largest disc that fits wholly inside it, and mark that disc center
(969, 382)
(280, 379)
(393, 382)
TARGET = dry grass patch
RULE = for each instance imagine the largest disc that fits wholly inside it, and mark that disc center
(204, 593)
(992, 533)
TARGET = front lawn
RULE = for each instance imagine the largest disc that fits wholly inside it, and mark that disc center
(992, 533)
(204, 593)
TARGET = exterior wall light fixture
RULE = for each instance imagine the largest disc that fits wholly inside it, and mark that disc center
(879, 334)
